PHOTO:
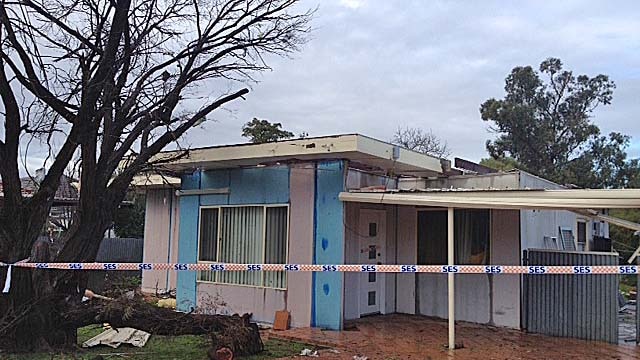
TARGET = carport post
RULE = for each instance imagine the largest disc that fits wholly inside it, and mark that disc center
(450, 280)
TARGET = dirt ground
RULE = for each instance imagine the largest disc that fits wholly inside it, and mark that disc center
(414, 337)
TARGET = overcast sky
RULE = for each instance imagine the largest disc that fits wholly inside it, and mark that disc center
(371, 66)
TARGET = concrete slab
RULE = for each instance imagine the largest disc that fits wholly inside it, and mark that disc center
(416, 337)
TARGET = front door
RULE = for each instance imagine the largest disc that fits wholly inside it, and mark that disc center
(372, 233)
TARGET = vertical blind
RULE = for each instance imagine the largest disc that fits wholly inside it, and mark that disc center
(248, 235)
(275, 242)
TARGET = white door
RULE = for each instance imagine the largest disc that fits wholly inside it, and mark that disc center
(372, 233)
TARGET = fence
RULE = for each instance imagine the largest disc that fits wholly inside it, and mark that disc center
(121, 250)
(584, 307)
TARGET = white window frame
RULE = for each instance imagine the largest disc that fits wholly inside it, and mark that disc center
(264, 239)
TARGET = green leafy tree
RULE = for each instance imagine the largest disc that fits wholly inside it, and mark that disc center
(129, 218)
(544, 123)
(502, 164)
(624, 240)
(262, 131)
(603, 164)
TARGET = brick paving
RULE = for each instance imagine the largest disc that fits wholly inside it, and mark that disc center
(416, 337)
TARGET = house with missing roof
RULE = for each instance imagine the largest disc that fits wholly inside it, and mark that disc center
(350, 199)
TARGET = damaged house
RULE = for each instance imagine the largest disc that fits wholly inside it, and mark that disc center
(352, 199)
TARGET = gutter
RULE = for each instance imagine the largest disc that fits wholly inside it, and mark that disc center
(193, 192)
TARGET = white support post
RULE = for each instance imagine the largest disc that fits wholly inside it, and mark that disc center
(450, 280)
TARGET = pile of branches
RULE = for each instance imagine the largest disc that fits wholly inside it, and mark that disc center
(235, 334)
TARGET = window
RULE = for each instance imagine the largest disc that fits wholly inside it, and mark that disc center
(245, 235)
(566, 238)
(582, 235)
(471, 231)
(582, 232)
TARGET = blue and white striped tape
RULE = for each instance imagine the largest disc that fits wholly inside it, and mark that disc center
(456, 269)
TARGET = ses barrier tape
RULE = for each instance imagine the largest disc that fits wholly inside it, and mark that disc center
(446, 269)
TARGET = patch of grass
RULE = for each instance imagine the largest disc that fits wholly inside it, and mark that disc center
(186, 347)
(626, 288)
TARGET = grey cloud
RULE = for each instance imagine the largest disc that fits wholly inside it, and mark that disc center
(382, 64)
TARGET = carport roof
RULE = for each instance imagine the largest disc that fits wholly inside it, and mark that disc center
(568, 199)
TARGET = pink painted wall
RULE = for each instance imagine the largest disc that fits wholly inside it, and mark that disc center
(505, 232)
(302, 188)
(351, 256)
(407, 245)
(160, 228)
(259, 301)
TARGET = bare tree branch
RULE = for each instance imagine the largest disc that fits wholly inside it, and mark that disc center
(425, 142)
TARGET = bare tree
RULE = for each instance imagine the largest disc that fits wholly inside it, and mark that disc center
(425, 142)
(109, 84)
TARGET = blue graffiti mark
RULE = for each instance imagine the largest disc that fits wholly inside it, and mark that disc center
(325, 243)
(325, 288)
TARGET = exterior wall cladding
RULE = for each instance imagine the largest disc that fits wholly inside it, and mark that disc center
(315, 236)
(480, 298)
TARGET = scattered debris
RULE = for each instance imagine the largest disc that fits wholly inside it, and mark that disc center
(281, 320)
(115, 337)
(309, 352)
(264, 326)
(91, 295)
(223, 353)
(234, 332)
(335, 351)
(458, 345)
(358, 357)
(167, 303)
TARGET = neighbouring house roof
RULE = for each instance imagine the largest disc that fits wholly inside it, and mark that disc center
(67, 192)
(566, 199)
(361, 151)
(155, 181)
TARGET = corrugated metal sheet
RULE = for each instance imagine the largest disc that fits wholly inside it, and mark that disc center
(575, 306)
(120, 250)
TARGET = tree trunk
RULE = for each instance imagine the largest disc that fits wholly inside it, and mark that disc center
(30, 319)
(30, 314)
(233, 332)
(43, 318)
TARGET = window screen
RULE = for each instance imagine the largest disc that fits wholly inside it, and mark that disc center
(432, 237)
(208, 248)
(246, 235)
